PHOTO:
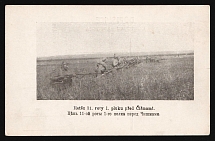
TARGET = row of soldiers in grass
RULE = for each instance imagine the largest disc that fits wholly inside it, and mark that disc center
(117, 63)
(101, 66)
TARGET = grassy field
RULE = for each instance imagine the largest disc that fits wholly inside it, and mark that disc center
(171, 79)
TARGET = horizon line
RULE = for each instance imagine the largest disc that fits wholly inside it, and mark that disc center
(111, 53)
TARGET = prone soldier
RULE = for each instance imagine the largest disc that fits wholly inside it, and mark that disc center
(62, 74)
(102, 66)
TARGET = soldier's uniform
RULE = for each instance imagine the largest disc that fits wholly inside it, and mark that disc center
(60, 72)
(63, 70)
(115, 62)
(102, 66)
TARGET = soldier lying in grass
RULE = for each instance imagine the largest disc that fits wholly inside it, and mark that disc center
(62, 73)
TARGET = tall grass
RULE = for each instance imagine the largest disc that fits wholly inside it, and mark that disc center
(171, 79)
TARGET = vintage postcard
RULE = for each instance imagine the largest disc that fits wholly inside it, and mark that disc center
(107, 70)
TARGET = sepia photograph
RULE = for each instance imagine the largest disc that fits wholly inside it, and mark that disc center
(107, 70)
(120, 60)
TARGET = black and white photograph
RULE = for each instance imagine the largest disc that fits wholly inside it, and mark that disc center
(118, 60)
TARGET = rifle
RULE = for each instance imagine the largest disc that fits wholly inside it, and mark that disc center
(62, 79)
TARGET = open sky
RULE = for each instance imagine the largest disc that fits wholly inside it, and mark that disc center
(71, 38)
